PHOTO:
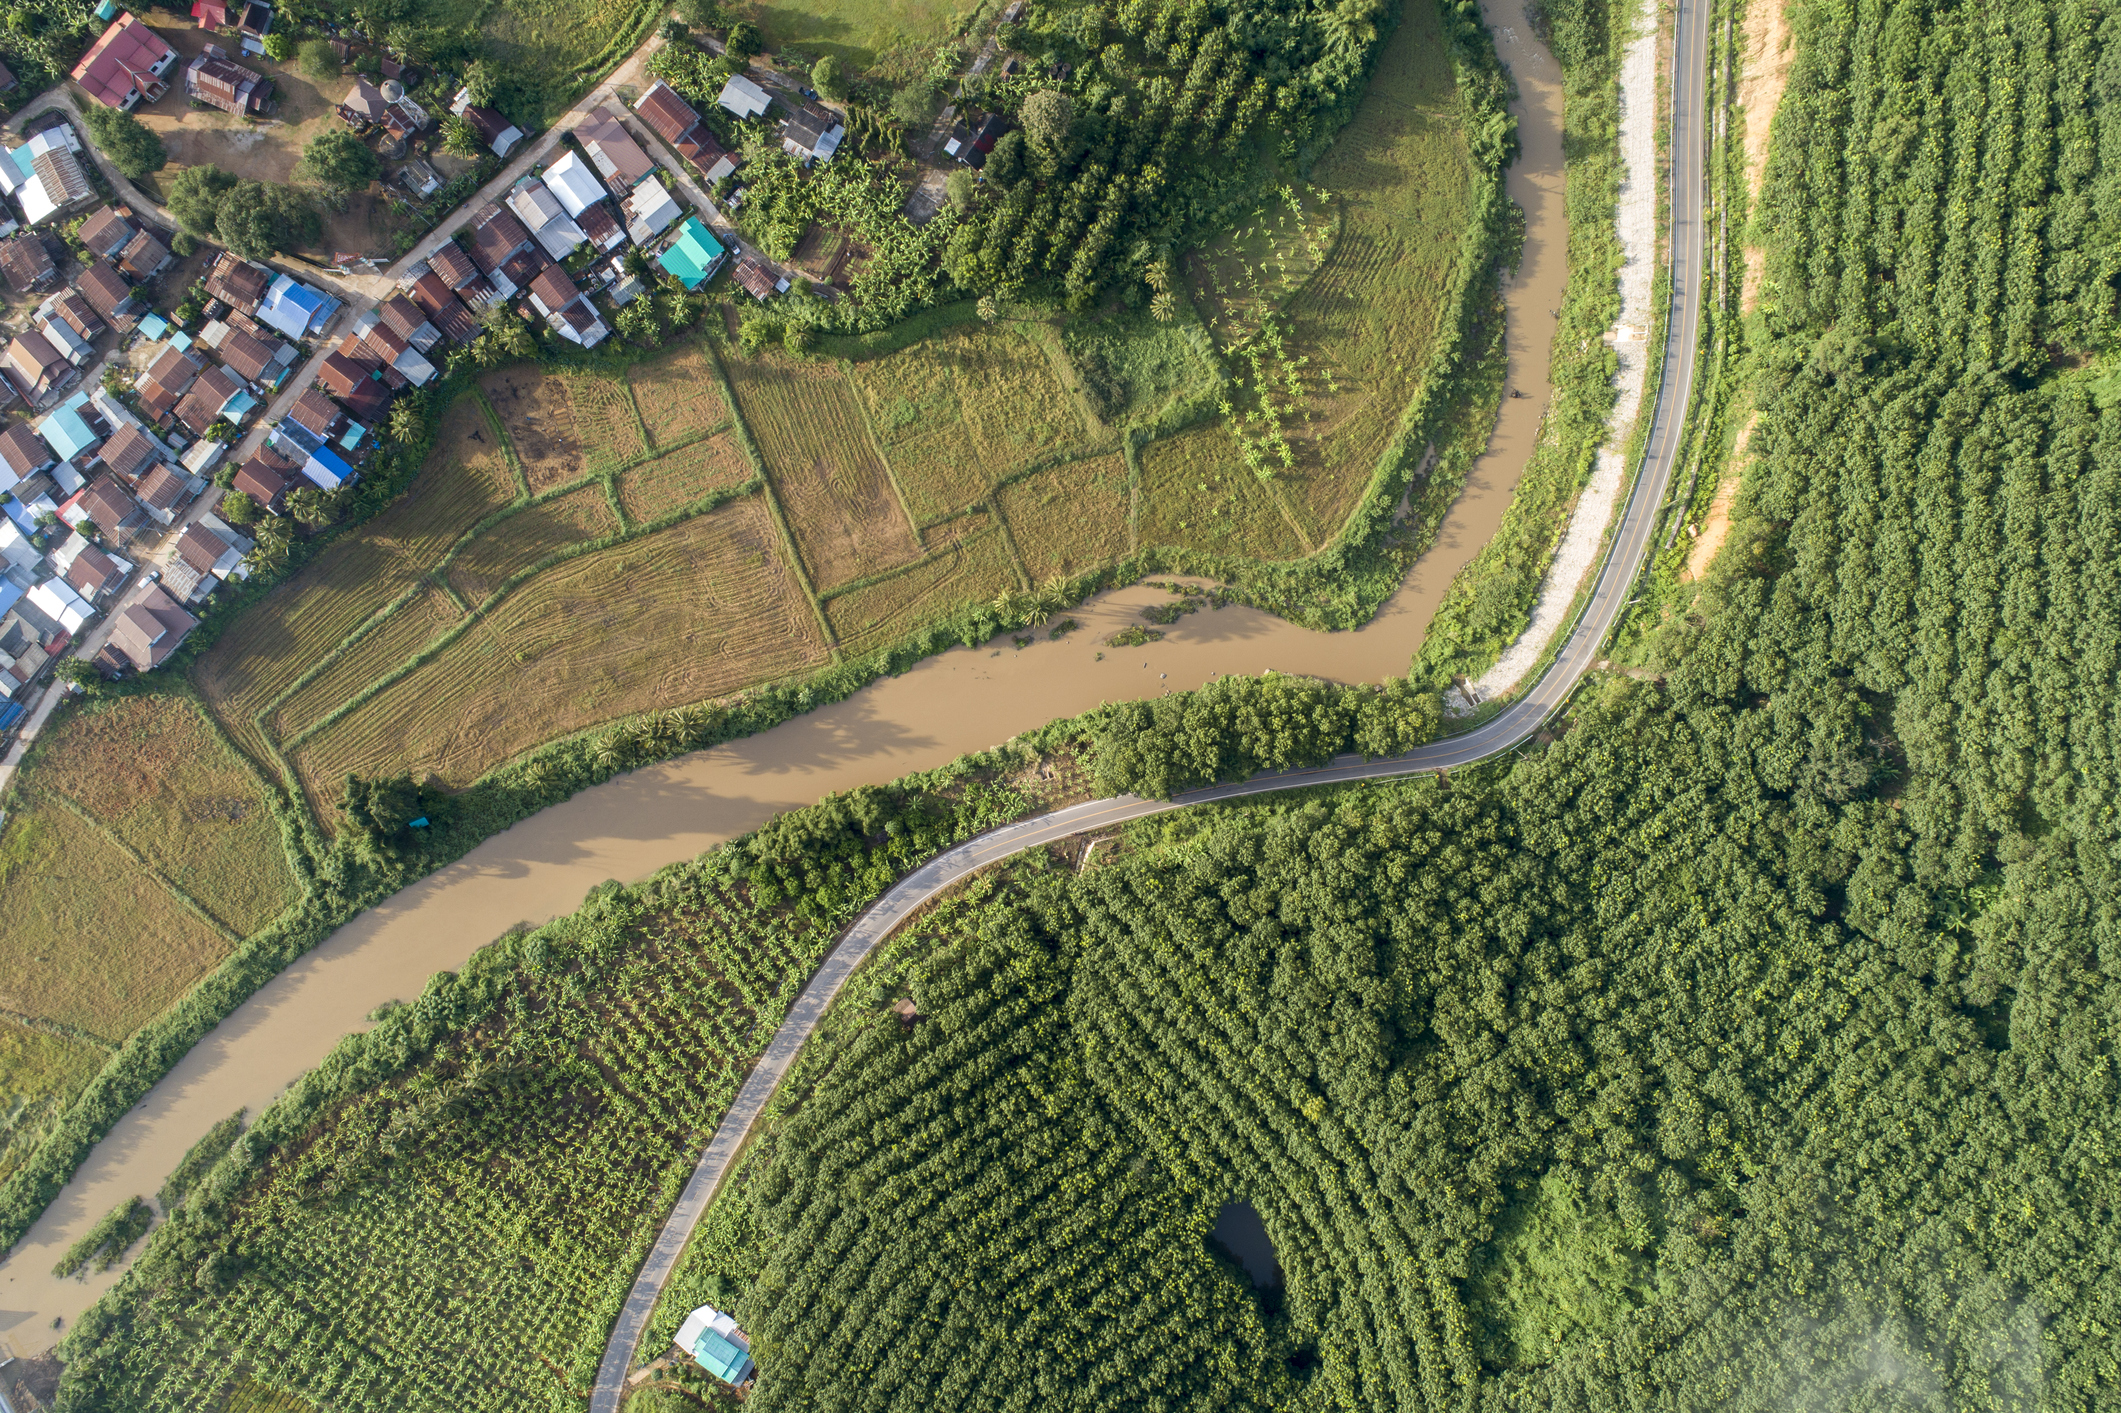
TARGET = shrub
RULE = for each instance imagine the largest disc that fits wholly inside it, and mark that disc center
(825, 78)
(132, 149)
(279, 47)
(239, 508)
(914, 105)
(317, 59)
(744, 40)
(338, 161)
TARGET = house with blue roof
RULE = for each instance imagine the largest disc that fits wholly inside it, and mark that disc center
(712, 1340)
(295, 309)
(328, 469)
(694, 255)
(67, 430)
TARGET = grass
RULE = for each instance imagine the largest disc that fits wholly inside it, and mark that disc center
(958, 412)
(858, 32)
(549, 50)
(40, 1073)
(679, 478)
(841, 507)
(527, 537)
(972, 568)
(1196, 490)
(678, 397)
(276, 642)
(91, 941)
(152, 771)
(699, 610)
(1069, 518)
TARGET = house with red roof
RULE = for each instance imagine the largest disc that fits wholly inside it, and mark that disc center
(130, 62)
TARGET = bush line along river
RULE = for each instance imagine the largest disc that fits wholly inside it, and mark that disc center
(965, 700)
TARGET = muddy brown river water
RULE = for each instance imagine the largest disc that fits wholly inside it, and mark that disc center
(963, 700)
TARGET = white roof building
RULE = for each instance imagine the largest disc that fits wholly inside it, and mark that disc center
(574, 184)
(56, 600)
(15, 549)
(744, 98)
(545, 218)
(648, 210)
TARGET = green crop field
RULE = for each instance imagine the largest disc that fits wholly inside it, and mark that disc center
(971, 566)
(958, 412)
(1069, 518)
(548, 51)
(686, 614)
(1197, 490)
(841, 507)
(40, 1073)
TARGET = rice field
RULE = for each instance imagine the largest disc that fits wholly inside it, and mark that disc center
(152, 771)
(678, 396)
(680, 478)
(40, 1073)
(972, 568)
(605, 426)
(78, 911)
(1196, 490)
(702, 609)
(841, 507)
(528, 536)
(1069, 518)
(381, 650)
(538, 415)
(958, 412)
(277, 641)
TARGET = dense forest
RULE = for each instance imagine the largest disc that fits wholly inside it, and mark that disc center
(1752, 1046)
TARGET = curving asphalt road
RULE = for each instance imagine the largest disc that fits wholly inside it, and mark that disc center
(1509, 728)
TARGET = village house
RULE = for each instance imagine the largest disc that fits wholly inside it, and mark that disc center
(22, 655)
(87, 570)
(130, 451)
(217, 395)
(166, 381)
(204, 557)
(145, 256)
(572, 182)
(264, 478)
(39, 371)
(297, 311)
(755, 279)
(971, 145)
(27, 265)
(145, 634)
(498, 240)
(108, 505)
(326, 419)
(571, 316)
(322, 465)
(649, 211)
(812, 135)
(617, 157)
(420, 179)
(265, 362)
(694, 255)
(74, 429)
(70, 325)
(394, 351)
(677, 123)
(110, 296)
(106, 231)
(545, 218)
(130, 62)
(442, 307)
(712, 1340)
(354, 378)
(744, 98)
(22, 455)
(461, 274)
(236, 282)
(217, 80)
(409, 322)
(494, 130)
(45, 175)
(165, 491)
(57, 601)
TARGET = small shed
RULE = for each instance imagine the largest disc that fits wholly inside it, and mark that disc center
(713, 1341)
(744, 98)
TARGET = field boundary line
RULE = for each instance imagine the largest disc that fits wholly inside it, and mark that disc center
(1037, 465)
(1048, 344)
(58, 1028)
(773, 502)
(993, 504)
(294, 841)
(111, 837)
(1131, 454)
(876, 444)
(633, 405)
(362, 631)
(389, 679)
(508, 450)
(611, 498)
(1281, 503)
(885, 576)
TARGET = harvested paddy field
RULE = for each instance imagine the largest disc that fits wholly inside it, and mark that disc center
(532, 534)
(610, 434)
(275, 642)
(1069, 518)
(386, 646)
(151, 770)
(679, 396)
(838, 498)
(40, 1072)
(91, 940)
(972, 568)
(958, 412)
(682, 477)
(699, 610)
(538, 416)
(1196, 490)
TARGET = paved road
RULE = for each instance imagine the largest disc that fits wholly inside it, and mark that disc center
(1500, 733)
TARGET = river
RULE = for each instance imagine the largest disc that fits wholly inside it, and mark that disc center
(967, 699)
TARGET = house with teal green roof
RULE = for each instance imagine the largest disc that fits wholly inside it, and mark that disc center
(714, 1342)
(694, 255)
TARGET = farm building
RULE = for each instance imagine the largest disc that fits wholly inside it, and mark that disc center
(713, 1341)
(27, 264)
(649, 211)
(612, 151)
(494, 130)
(217, 80)
(812, 135)
(45, 174)
(295, 309)
(755, 278)
(744, 98)
(695, 255)
(432, 293)
(573, 184)
(39, 371)
(128, 63)
(545, 218)
(146, 633)
(110, 296)
(22, 455)
(971, 145)
(264, 479)
(571, 316)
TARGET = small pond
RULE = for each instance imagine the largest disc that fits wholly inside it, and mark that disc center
(1239, 1231)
